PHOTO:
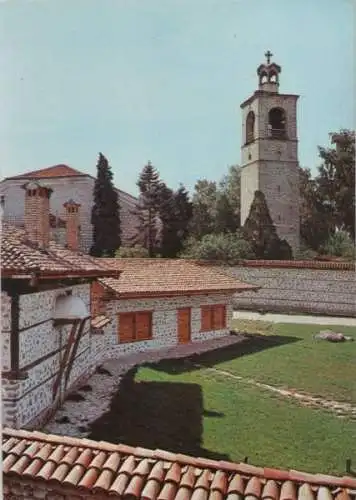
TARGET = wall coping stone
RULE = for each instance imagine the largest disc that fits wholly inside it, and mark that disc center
(292, 264)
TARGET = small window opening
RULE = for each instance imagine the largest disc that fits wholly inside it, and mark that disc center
(250, 127)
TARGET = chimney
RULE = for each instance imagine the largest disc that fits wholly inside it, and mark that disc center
(37, 212)
(72, 224)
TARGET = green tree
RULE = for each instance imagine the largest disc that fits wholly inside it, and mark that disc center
(147, 209)
(216, 206)
(261, 233)
(230, 185)
(315, 220)
(105, 216)
(175, 215)
(204, 208)
(336, 180)
(228, 248)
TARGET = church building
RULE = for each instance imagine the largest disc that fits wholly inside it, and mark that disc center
(270, 152)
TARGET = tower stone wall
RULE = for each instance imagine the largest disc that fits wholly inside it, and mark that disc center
(269, 155)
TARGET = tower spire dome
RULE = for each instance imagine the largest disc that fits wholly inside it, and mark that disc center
(268, 74)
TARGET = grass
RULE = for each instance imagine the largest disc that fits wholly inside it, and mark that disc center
(185, 408)
(270, 431)
(316, 366)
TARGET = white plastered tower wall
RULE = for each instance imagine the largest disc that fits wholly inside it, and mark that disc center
(269, 158)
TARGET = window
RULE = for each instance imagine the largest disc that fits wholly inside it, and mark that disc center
(213, 318)
(277, 123)
(2, 200)
(133, 327)
(250, 127)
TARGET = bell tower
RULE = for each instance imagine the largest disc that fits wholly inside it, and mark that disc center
(269, 152)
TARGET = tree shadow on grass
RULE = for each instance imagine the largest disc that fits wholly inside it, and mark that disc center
(153, 415)
(252, 344)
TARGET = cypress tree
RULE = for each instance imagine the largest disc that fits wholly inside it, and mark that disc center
(105, 216)
(261, 233)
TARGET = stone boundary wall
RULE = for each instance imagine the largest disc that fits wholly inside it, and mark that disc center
(306, 287)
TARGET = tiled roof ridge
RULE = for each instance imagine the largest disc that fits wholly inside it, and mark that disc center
(41, 172)
(186, 460)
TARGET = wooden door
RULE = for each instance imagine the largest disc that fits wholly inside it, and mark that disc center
(143, 325)
(184, 329)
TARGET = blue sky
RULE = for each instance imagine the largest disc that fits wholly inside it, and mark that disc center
(162, 80)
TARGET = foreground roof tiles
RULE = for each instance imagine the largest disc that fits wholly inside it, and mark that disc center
(86, 467)
(167, 276)
(20, 256)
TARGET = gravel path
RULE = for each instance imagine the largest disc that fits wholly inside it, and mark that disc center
(74, 417)
(294, 318)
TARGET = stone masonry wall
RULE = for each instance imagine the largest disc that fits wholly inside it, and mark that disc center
(298, 290)
(41, 346)
(164, 323)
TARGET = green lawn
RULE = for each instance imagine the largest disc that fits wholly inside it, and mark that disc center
(179, 406)
(322, 368)
(244, 421)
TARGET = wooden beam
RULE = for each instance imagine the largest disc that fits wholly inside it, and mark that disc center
(14, 335)
(58, 380)
(73, 352)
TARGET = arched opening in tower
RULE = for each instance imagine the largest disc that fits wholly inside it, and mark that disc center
(263, 78)
(277, 123)
(250, 127)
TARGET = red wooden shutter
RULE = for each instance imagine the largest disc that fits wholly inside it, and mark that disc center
(126, 327)
(205, 319)
(143, 325)
(219, 317)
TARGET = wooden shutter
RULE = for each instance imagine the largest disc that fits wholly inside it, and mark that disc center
(219, 317)
(143, 325)
(205, 319)
(126, 332)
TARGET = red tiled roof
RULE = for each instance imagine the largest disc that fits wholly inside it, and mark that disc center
(154, 277)
(60, 170)
(19, 256)
(82, 466)
(50, 172)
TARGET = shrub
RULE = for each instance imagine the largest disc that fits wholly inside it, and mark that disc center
(229, 248)
(136, 251)
(339, 244)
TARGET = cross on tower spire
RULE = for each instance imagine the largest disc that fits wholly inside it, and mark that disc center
(268, 56)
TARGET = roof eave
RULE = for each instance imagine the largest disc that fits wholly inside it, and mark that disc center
(176, 293)
(47, 275)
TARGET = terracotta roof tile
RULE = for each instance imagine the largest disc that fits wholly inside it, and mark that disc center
(60, 170)
(20, 256)
(123, 471)
(154, 277)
